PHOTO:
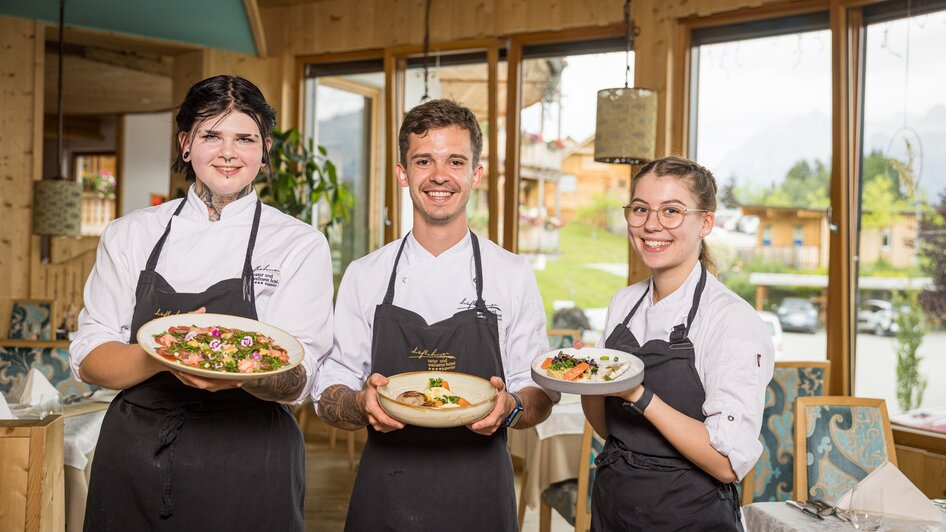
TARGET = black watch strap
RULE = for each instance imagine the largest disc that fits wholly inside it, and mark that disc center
(516, 412)
(638, 407)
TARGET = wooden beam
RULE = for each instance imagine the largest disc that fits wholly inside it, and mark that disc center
(147, 63)
(492, 57)
(256, 24)
(511, 169)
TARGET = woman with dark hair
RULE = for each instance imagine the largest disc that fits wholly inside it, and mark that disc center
(677, 443)
(176, 450)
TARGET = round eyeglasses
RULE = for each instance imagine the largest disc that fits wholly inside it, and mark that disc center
(670, 217)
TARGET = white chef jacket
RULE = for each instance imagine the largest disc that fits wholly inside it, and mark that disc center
(437, 288)
(734, 357)
(292, 271)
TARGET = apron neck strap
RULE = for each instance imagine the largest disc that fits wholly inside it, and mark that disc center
(627, 318)
(248, 293)
(389, 295)
(679, 329)
(478, 264)
(156, 251)
(480, 304)
(696, 298)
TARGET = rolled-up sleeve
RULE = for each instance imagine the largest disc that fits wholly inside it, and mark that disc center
(109, 298)
(349, 360)
(526, 337)
(735, 383)
(302, 305)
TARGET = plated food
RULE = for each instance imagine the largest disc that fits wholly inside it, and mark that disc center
(220, 346)
(436, 398)
(437, 394)
(588, 371)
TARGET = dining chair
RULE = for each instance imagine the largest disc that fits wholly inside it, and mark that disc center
(562, 338)
(572, 498)
(772, 478)
(839, 440)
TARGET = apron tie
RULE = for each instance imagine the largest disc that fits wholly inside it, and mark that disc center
(612, 453)
(171, 427)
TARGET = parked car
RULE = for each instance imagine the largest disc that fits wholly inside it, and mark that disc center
(775, 329)
(879, 317)
(797, 314)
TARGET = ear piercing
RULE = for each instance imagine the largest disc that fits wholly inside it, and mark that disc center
(185, 155)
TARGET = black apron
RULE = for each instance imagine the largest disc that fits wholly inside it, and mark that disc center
(421, 478)
(173, 457)
(642, 481)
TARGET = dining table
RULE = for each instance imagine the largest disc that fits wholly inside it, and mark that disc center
(780, 517)
(550, 450)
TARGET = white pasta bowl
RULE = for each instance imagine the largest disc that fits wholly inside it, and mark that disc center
(478, 391)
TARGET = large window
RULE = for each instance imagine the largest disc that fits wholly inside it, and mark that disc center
(571, 224)
(343, 116)
(761, 122)
(902, 236)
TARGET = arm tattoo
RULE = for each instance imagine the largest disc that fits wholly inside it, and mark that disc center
(216, 202)
(338, 408)
(281, 387)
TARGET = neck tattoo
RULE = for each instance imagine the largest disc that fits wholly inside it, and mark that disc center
(216, 202)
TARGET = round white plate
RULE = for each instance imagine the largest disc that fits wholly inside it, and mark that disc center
(283, 339)
(479, 392)
(627, 380)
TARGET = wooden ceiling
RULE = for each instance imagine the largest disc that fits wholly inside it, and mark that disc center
(109, 74)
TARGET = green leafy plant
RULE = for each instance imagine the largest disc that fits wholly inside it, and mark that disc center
(302, 175)
(910, 332)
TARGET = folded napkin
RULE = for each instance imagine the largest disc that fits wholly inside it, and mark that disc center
(37, 391)
(5, 409)
(901, 497)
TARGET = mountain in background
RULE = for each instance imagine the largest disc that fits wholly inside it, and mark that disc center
(767, 156)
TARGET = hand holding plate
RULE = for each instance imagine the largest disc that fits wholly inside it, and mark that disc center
(204, 383)
(367, 401)
(501, 410)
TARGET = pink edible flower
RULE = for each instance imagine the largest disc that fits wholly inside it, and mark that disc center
(215, 331)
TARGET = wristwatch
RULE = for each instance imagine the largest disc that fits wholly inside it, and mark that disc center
(516, 412)
(638, 407)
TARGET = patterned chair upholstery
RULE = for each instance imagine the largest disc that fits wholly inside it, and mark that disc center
(564, 496)
(562, 338)
(842, 439)
(53, 362)
(772, 478)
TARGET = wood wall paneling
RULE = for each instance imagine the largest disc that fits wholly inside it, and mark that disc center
(21, 111)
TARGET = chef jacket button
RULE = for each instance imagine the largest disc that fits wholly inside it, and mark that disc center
(730, 418)
(404, 279)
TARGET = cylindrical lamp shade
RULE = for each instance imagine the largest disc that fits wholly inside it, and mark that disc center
(57, 207)
(626, 125)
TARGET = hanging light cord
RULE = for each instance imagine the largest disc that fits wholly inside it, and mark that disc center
(62, 24)
(426, 50)
(629, 42)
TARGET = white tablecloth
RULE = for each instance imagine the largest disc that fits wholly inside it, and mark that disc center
(81, 434)
(551, 449)
(780, 517)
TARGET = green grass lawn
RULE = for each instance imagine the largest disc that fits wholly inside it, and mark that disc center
(567, 277)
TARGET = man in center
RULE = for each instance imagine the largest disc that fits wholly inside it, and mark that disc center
(473, 307)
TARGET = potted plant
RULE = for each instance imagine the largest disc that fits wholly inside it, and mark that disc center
(301, 176)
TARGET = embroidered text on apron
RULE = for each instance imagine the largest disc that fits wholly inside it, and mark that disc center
(421, 478)
(643, 482)
(173, 457)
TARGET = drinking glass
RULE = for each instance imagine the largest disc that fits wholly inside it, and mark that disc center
(866, 508)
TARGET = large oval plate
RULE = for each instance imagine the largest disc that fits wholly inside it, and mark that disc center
(627, 380)
(479, 392)
(285, 340)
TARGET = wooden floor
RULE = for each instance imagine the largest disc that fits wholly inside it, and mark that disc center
(329, 482)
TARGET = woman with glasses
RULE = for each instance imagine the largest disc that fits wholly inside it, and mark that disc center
(677, 443)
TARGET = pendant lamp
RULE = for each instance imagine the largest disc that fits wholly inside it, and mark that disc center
(57, 202)
(626, 124)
